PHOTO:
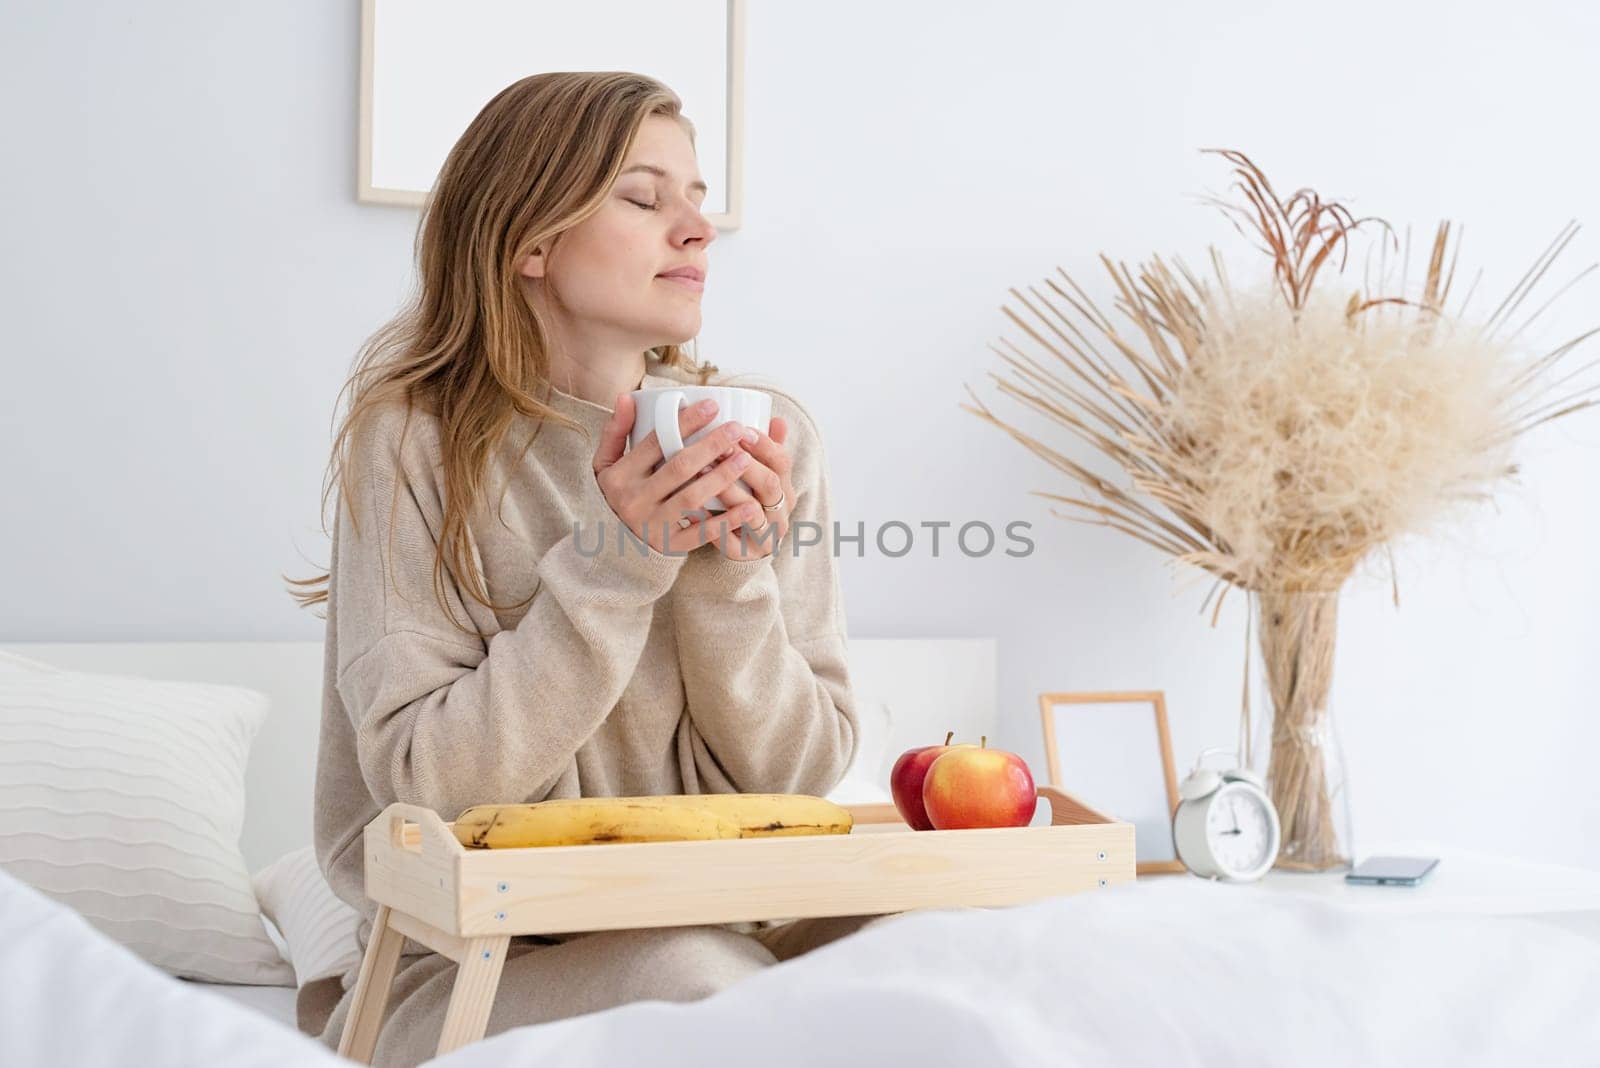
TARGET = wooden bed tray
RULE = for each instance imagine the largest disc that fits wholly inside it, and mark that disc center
(468, 903)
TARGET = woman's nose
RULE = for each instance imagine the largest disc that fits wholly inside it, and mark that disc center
(698, 226)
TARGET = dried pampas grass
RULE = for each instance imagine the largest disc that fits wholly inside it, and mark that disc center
(1278, 434)
(1303, 440)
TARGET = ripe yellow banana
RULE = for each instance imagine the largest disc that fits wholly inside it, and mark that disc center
(653, 818)
(772, 815)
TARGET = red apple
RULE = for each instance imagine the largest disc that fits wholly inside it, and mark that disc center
(905, 780)
(978, 787)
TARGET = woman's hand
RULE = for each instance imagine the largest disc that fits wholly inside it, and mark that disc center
(768, 477)
(660, 506)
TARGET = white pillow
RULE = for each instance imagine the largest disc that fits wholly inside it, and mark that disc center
(123, 798)
(859, 789)
(861, 783)
(875, 720)
(316, 924)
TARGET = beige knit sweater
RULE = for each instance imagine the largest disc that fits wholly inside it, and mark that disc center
(626, 674)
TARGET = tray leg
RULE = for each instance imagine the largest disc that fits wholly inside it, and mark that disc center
(477, 978)
(371, 997)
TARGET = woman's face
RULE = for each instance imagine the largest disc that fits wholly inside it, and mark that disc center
(602, 286)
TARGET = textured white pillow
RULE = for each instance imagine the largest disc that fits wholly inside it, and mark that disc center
(123, 798)
(318, 927)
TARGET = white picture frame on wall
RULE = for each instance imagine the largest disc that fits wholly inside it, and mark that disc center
(427, 68)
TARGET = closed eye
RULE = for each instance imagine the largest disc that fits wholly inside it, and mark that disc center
(647, 207)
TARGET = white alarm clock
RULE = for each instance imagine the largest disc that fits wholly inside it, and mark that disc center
(1226, 826)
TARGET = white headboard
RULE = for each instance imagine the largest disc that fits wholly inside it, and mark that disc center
(931, 685)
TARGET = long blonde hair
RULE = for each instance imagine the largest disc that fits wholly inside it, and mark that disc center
(468, 347)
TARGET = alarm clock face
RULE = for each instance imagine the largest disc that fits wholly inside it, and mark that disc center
(1239, 831)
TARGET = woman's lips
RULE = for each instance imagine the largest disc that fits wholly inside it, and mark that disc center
(687, 283)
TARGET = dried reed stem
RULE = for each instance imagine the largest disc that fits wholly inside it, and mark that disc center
(1298, 629)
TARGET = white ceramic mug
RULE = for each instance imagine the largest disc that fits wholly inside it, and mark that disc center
(657, 409)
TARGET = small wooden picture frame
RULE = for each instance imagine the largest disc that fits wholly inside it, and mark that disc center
(1110, 763)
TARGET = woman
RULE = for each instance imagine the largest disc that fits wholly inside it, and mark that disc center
(474, 652)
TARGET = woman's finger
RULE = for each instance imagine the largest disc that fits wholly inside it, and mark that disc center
(703, 528)
(771, 453)
(641, 460)
(701, 489)
(764, 482)
(681, 468)
(756, 536)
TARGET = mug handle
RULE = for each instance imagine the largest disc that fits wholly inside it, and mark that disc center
(667, 407)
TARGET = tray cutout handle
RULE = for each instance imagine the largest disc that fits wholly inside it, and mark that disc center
(419, 830)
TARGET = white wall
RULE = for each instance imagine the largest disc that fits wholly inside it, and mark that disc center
(186, 276)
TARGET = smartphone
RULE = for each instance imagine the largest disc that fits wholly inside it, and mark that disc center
(1396, 871)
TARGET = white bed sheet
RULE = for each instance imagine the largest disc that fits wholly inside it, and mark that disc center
(274, 1002)
(1158, 972)
(71, 996)
(1165, 971)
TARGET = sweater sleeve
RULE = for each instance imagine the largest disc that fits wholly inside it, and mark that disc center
(442, 717)
(762, 647)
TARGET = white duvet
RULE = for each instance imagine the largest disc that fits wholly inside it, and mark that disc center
(1168, 971)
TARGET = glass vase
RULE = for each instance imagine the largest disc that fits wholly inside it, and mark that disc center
(1296, 745)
